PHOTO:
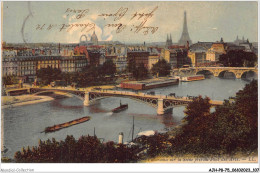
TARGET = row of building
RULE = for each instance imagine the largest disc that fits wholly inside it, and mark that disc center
(24, 61)
(26, 67)
(204, 53)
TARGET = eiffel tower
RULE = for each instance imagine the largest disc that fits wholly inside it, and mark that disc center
(185, 35)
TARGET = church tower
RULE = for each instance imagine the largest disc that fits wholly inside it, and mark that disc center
(169, 40)
(185, 35)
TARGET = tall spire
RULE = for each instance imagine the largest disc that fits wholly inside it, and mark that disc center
(185, 27)
(185, 34)
(169, 40)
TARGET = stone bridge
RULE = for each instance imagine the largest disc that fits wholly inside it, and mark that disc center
(216, 71)
(162, 103)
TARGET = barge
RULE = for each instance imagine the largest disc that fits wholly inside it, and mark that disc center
(192, 78)
(149, 84)
(120, 108)
(65, 125)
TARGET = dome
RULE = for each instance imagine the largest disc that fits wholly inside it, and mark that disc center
(94, 37)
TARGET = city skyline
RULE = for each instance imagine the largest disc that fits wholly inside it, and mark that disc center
(129, 82)
(207, 21)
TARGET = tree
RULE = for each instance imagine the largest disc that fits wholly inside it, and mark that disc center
(243, 116)
(108, 68)
(9, 80)
(140, 72)
(88, 76)
(67, 77)
(48, 75)
(161, 67)
(247, 103)
(238, 59)
(199, 107)
(156, 144)
(232, 127)
(88, 149)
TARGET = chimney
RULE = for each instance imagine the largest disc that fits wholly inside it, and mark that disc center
(120, 138)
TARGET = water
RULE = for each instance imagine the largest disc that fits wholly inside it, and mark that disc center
(23, 125)
(215, 88)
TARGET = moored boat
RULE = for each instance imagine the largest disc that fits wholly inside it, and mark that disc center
(65, 125)
(120, 108)
(192, 78)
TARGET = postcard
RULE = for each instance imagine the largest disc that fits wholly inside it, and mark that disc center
(139, 82)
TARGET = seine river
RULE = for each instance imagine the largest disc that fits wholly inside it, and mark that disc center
(23, 125)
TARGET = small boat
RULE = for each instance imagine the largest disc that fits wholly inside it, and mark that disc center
(192, 78)
(120, 108)
(65, 125)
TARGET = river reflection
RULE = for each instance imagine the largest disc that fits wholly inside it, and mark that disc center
(23, 125)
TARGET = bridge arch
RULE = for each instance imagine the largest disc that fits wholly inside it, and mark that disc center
(205, 71)
(79, 96)
(147, 101)
(223, 74)
(186, 71)
(249, 74)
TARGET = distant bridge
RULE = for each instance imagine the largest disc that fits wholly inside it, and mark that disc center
(162, 103)
(216, 71)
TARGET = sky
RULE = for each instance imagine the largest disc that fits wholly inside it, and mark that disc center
(66, 22)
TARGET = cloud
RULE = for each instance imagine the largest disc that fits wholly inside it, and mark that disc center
(94, 16)
(75, 31)
(226, 17)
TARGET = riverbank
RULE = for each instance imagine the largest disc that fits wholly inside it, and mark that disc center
(84, 89)
(101, 86)
(14, 101)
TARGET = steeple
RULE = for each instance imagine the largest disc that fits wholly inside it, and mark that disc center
(185, 34)
(169, 40)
